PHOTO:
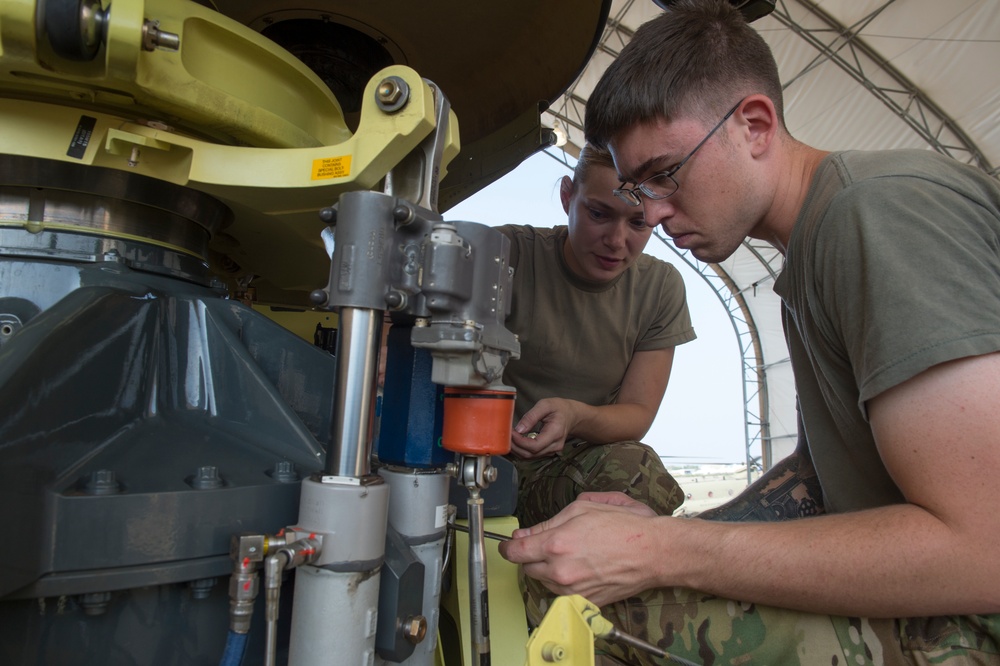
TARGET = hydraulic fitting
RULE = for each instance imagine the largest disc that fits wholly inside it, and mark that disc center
(247, 552)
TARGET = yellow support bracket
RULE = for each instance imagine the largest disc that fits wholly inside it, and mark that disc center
(564, 636)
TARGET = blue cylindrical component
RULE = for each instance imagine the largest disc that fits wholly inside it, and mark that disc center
(412, 408)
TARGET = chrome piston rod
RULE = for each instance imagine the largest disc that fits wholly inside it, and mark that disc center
(358, 338)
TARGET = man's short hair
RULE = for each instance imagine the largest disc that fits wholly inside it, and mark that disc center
(698, 58)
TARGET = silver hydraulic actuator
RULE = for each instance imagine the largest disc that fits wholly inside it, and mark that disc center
(449, 284)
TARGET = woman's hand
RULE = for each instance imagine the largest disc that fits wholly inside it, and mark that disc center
(543, 429)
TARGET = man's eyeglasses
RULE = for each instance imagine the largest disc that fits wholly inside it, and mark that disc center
(662, 185)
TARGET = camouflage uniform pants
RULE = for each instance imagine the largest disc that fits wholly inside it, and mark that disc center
(713, 631)
(547, 485)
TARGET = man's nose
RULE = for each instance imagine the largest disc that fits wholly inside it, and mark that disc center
(657, 212)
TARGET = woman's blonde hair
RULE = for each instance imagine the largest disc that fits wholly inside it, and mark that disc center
(590, 156)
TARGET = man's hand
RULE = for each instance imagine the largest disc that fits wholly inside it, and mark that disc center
(601, 546)
(556, 418)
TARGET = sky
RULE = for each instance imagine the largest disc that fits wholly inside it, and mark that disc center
(701, 417)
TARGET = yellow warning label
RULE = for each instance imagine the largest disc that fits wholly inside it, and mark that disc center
(332, 167)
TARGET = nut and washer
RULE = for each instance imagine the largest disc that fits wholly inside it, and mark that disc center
(392, 94)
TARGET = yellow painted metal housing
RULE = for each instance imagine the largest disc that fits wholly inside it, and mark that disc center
(226, 82)
(229, 114)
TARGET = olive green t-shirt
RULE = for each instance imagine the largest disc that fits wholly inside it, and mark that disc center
(893, 267)
(578, 337)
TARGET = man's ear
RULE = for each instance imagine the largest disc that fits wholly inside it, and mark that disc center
(760, 119)
(565, 192)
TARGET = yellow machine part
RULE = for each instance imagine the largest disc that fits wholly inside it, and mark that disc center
(225, 83)
(499, 63)
(257, 129)
(564, 635)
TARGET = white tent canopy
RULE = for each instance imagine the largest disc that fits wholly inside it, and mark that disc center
(862, 74)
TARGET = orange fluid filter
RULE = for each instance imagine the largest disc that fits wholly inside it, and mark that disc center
(477, 421)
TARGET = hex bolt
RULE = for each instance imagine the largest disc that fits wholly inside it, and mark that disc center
(392, 94)
(206, 478)
(153, 38)
(415, 628)
(202, 588)
(102, 482)
(95, 603)
(284, 472)
(389, 91)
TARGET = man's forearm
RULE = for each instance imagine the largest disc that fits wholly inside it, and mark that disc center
(895, 561)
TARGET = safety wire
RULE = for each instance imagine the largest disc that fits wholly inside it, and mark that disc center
(603, 628)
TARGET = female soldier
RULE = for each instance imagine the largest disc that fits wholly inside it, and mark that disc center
(598, 321)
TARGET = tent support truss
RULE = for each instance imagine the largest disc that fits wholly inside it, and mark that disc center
(755, 403)
(842, 46)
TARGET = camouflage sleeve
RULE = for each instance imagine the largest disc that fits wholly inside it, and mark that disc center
(788, 490)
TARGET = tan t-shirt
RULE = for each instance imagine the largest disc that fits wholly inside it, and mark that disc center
(578, 337)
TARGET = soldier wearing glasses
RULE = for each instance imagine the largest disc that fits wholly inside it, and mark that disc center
(891, 308)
